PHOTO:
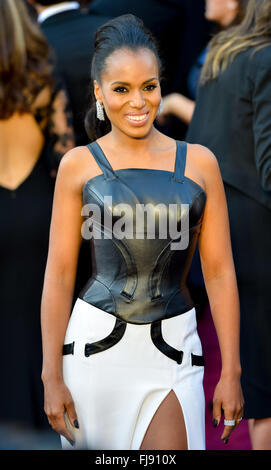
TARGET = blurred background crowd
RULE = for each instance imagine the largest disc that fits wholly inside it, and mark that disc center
(46, 48)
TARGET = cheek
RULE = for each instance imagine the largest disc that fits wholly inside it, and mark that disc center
(113, 102)
(156, 97)
(213, 8)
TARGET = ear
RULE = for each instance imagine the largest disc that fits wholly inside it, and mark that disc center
(97, 91)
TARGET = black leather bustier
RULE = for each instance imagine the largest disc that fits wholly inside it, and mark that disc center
(136, 278)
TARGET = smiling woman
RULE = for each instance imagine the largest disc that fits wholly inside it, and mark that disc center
(109, 59)
(132, 367)
(133, 103)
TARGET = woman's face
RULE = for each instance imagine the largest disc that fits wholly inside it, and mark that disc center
(222, 12)
(130, 91)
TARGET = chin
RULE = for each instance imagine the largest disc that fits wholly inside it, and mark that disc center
(138, 133)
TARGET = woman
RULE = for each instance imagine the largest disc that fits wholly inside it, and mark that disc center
(225, 13)
(34, 134)
(121, 383)
(232, 117)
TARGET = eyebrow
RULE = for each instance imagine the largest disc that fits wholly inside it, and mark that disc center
(126, 83)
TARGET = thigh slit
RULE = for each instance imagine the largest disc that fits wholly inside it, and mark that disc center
(156, 426)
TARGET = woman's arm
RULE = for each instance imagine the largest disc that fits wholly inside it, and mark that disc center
(221, 285)
(178, 105)
(59, 280)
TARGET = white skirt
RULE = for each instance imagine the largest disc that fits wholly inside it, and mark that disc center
(116, 391)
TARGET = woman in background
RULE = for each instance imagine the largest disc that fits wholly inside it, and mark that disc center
(35, 131)
(225, 13)
(233, 118)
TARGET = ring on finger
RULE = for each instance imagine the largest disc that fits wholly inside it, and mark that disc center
(229, 422)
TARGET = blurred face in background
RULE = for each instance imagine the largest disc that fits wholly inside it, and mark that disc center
(222, 12)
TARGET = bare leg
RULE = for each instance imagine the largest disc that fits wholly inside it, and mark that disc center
(166, 430)
(260, 433)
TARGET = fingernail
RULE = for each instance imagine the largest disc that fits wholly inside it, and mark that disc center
(215, 423)
(71, 442)
(226, 440)
(76, 424)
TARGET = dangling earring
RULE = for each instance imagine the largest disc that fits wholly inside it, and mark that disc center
(100, 111)
(160, 107)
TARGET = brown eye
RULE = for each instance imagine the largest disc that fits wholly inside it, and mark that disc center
(120, 89)
(150, 87)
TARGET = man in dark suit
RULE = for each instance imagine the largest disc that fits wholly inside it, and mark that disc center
(70, 33)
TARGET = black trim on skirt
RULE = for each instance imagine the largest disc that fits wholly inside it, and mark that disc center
(117, 333)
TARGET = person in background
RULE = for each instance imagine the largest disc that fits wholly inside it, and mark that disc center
(35, 131)
(70, 32)
(233, 118)
(225, 13)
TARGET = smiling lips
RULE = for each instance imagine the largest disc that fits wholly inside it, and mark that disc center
(137, 118)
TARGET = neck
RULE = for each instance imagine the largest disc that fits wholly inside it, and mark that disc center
(133, 144)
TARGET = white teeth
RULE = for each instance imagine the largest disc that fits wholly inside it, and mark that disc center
(137, 118)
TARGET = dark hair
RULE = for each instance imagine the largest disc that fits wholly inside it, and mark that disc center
(124, 32)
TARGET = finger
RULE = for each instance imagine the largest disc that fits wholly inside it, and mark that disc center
(228, 429)
(58, 423)
(216, 412)
(239, 416)
(227, 432)
(70, 409)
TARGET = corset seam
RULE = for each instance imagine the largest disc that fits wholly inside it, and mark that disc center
(112, 297)
(177, 291)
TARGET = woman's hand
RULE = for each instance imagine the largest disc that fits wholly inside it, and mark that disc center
(57, 401)
(168, 107)
(228, 397)
(177, 105)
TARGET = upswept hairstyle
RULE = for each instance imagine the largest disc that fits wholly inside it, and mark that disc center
(124, 32)
(253, 32)
(24, 59)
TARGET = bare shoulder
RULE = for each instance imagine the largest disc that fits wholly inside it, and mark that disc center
(202, 156)
(72, 159)
(78, 165)
(205, 162)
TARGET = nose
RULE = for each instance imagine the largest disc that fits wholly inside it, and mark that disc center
(137, 100)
